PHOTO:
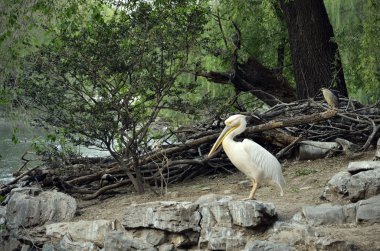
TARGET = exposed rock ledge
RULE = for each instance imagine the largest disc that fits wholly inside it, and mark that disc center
(44, 219)
(213, 222)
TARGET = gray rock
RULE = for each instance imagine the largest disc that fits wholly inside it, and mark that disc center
(168, 215)
(324, 214)
(185, 239)
(119, 241)
(336, 188)
(68, 244)
(360, 166)
(368, 211)
(209, 198)
(224, 222)
(362, 185)
(3, 211)
(251, 213)
(292, 233)
(32, 191)
(36, 209)
(259, 245)
(166, 247)
(10, 244)
(83, 231)
(152, 236)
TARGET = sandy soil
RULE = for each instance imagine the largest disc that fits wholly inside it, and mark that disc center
(305, 183)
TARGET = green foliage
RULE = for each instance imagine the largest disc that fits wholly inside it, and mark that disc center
(356, 26)
(15, 139)
(54, 146)
(22, 31)
(108, 72)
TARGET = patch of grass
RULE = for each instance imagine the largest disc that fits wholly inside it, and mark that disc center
(305, 171)
(295, 190)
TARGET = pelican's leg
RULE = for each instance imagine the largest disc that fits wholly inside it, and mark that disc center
(253, 191)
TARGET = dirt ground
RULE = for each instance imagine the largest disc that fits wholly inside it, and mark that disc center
(305, 181)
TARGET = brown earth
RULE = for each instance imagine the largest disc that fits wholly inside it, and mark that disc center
(305, 183)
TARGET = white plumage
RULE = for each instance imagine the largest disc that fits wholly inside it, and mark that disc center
(248, 156)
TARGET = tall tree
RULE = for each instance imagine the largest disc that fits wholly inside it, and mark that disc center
(315, 55)
(108, 73)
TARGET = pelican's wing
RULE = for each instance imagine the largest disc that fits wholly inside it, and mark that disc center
(264, 160)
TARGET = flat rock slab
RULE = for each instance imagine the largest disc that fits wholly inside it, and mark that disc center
(360, 166)
(326, 214)
(368, 211)
(32, 207)
(119, 241)
(259, 245)
(83, 231)
(168, 215)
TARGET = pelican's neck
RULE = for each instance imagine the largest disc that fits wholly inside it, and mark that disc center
(240, 129)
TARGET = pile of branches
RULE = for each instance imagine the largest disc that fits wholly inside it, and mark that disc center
(280, 130)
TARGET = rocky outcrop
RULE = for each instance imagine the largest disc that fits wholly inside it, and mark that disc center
(360, 181)
(170, 216)
(227, 224)
(364, 211)
(213, 222)
(83, 231)
(29, 207)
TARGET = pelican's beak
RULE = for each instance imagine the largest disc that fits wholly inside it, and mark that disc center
(227, 130)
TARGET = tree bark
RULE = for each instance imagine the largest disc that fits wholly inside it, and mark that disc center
(315, 55)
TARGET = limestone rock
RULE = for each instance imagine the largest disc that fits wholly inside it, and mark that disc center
(368, 210)
(152, 236)
(292, 233)
(83, 231)
(224, 221)
(362, 184)
(324, 214)
(259, 245)
(10, 244)
(337, 186)
(166, 247)
(119, 241)
(360, 166)
(31, 207)
(168, 215)
(2, 215)
(68, 244)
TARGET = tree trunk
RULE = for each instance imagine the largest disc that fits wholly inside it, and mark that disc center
(315, 55)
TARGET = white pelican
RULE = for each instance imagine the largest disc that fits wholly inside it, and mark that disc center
(248, 156)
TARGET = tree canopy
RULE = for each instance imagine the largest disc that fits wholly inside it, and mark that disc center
(105, 72)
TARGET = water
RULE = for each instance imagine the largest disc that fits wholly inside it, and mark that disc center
(11, 153)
